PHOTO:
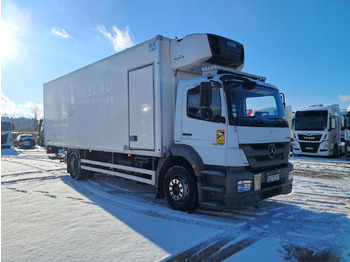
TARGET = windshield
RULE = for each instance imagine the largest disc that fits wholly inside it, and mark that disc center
(5, 126)
(311, 120)
(23, 138)
(254, 106)
(347, 121)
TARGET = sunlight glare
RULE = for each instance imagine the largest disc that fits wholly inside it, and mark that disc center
(7, 42)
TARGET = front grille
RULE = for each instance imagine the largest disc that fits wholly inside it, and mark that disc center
(4, 138)
(310, 137)
(258, 154)
(309, 147)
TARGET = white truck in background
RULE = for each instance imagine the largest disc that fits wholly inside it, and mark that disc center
(173, 113)
(343, 113)
(6, 132)
(347, 133)
(317, 131)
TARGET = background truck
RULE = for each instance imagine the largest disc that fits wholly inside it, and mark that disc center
(6, 132)
(173, 113)
(347, 133)
(317, 131)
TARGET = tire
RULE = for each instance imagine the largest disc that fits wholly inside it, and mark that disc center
(180, 189)
(74, 166)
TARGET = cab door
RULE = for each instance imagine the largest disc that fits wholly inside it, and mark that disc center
(204, 123)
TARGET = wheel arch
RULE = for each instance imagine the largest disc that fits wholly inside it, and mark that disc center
(181, 155)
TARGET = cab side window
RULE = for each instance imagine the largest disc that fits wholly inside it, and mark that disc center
(211, 113)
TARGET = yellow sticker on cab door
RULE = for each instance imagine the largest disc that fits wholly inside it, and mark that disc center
(220, 136)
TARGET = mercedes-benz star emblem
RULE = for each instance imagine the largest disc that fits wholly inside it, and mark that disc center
(272, 151)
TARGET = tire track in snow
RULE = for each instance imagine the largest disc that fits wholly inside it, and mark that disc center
(273, 218)
(215, 249)
(36, 167)
(269, 218)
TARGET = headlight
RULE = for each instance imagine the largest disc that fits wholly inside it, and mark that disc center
(296, 145)
(244, 186)
(324, 145)
(290, 176)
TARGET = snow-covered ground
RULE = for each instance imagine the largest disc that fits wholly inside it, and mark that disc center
(47, 216)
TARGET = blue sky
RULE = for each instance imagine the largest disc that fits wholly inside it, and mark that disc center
(302, 47)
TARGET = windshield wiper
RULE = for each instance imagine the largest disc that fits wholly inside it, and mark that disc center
(278, 120)
(256, 119)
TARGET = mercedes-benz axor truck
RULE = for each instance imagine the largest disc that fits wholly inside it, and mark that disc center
(317, 131)
(177, 114)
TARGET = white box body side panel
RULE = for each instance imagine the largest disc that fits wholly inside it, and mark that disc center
(89, 109)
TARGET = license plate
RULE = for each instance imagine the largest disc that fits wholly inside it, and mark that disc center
(272, 178)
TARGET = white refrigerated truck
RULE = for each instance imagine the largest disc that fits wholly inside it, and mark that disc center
(317, 131)
(176, 114)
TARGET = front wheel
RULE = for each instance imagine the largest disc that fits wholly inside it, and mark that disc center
(180, 189)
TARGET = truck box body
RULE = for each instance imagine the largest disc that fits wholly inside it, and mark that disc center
(172, 113)
(98, 107)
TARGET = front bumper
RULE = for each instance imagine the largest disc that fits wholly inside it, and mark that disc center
(235, 199)
(324, 148)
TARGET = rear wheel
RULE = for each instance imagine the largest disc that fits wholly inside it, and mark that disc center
(180, 189)
(74, 166)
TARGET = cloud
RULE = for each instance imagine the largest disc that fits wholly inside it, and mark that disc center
(344, 98)
(8, 107)
(11, 109)
(119, 38)
(60, 32)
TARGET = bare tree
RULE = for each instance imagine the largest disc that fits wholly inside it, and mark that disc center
(34, 108)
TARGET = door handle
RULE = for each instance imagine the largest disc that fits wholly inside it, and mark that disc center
(186, 134)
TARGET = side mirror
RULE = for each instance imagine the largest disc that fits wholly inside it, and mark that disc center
(333, 124)
(205, 94)
(283, 97)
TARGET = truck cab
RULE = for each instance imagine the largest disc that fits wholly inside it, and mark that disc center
(317, 131)
(236, 123)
